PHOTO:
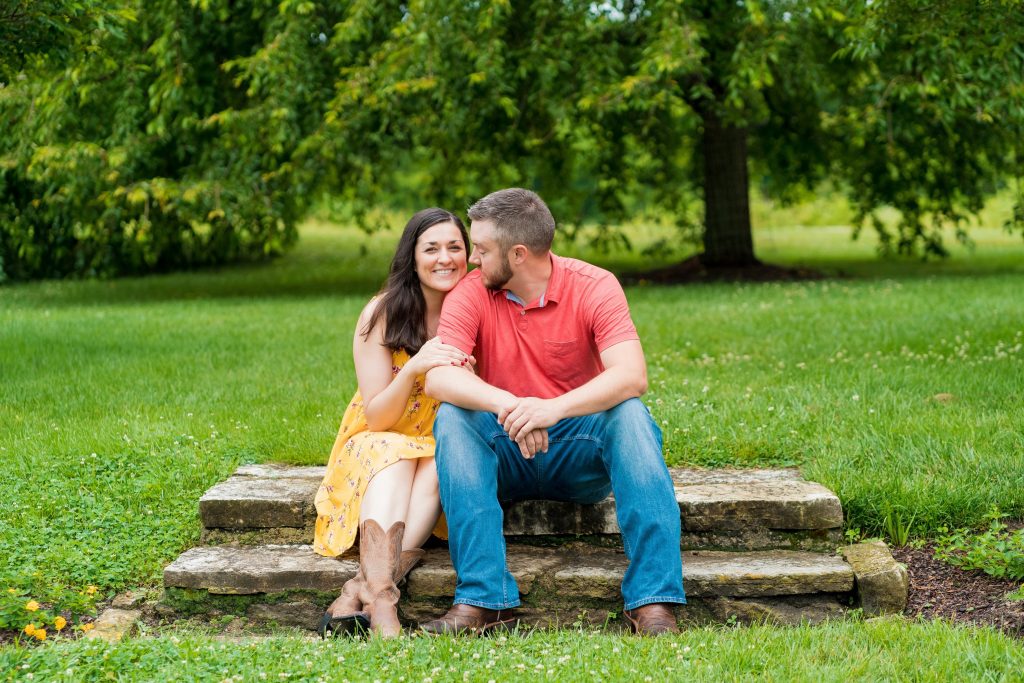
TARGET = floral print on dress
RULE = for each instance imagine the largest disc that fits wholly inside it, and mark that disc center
(358, 454)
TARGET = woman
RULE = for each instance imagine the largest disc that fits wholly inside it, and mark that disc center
(381, 473)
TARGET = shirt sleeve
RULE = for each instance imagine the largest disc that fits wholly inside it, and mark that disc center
(461, 317)
(609, 314)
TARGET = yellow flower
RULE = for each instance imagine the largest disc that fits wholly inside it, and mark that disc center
(88, 627)
(32, 606)
(30, 630)
(91, 590)
(59, 623)
(40, 634)
(11, 591)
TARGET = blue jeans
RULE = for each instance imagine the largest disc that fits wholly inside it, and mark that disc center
(618, 450)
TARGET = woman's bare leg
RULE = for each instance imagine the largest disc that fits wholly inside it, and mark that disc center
(424, 505)
(386, 499)
(405, 491)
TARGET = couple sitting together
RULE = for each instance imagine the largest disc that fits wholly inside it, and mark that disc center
(528, 373)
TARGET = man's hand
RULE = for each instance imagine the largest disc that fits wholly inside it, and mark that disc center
(527, 415)
(533, 442)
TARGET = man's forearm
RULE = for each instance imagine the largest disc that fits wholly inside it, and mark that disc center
(607, 390)
(462, 388)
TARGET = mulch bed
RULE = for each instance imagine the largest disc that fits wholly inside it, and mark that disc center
(939, 590)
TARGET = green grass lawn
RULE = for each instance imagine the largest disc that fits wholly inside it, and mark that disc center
(845, 651)
(121, 402)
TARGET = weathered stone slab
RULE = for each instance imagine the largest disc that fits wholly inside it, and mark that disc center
(314, 473)
(730, 502)
(684, 476)
(778, 572)
(790, 610)
(128, 600)
(278, 535)
(782, 504)
(785, 610)
(756, 537)
(882, 582)
(749, 538)
(259, 569)
(246, 502)
(774, 572)
(595, 573)
(435, 576)
(555, 518)
(779, 503)
(113, 624)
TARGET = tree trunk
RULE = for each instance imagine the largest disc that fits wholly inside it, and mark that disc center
(728, 242)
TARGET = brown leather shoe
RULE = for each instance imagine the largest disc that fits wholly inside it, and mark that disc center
(652, 620)
(471, 620)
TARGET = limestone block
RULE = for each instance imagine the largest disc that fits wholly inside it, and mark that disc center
(267, 496)
(113, 624)
(600, 577)
(782, 504)
(882, 582)
(278, 535)
(774, 572)
(259, 569)
(682, 476)
(760, 538)
(255, 502)
(549, 517)
(788, 610)
(717, 574)
(128, 599)
(435, 576)
(271, 471)
(563, 574)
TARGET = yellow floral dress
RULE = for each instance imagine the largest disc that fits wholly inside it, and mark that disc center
(358, 454)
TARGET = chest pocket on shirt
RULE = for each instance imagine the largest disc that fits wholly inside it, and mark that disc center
(562, 359)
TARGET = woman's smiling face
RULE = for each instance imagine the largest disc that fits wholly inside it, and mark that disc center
(440, 257)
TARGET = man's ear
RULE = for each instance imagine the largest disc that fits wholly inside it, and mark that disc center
(519, 253)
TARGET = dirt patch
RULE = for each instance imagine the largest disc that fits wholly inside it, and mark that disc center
(692, 270)
(940, 590)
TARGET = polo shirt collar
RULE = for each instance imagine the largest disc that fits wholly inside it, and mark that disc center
(557, 281)
(555, 284)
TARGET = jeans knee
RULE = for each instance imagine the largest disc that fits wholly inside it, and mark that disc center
(461, 452)
(451, 418)
(631, 419)
(630, 409)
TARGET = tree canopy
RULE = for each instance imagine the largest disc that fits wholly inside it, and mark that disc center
(173, 133)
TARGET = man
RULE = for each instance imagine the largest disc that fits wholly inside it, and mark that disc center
(553, 413)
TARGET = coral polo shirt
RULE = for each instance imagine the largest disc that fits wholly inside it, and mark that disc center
(544, 348)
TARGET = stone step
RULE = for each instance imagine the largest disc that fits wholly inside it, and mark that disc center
(729, 509)
(290, 584)
(587, 572)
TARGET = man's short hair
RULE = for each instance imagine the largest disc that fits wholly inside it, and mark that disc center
(519, 216)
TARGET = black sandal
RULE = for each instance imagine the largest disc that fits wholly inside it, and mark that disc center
(353, 625)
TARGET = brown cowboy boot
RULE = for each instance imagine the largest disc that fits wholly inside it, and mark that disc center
(472, 620)
(346, 615)
(380, 555)
(654, 619)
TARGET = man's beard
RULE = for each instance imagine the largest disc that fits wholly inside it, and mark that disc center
(501, 279)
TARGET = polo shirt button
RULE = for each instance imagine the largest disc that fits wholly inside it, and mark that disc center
(522, 312)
